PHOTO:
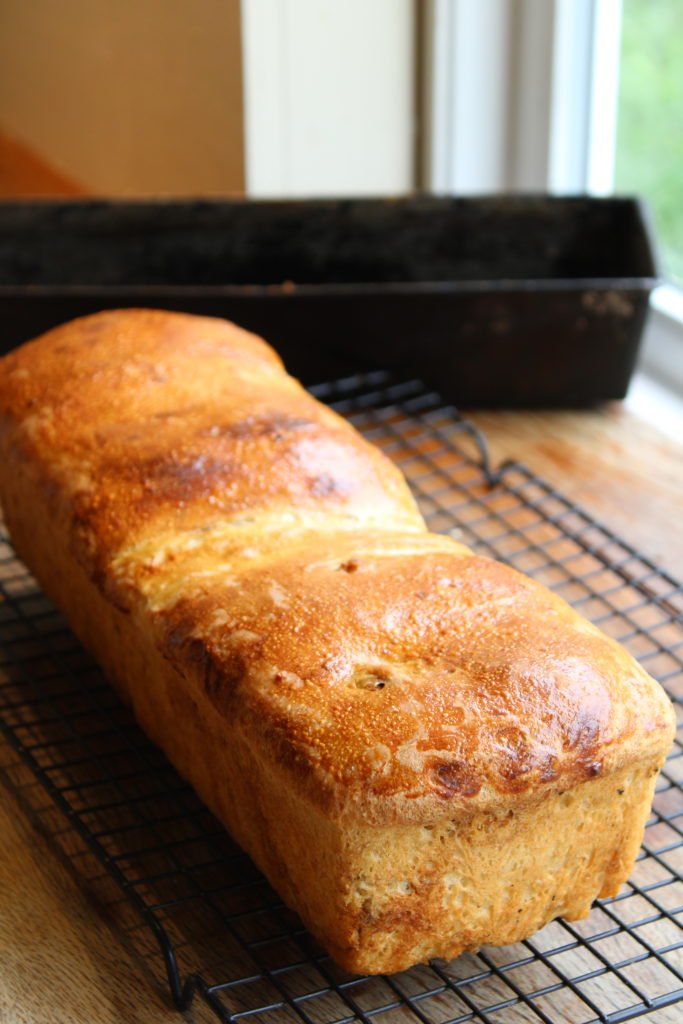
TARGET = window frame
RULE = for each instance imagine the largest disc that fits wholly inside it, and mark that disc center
(545, 119)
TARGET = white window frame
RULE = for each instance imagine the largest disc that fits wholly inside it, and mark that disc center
(523, 97)
(516, 98)
(328, 97)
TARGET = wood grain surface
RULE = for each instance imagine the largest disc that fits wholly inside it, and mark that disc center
(66, 949)
(63, 958)
(620, 468)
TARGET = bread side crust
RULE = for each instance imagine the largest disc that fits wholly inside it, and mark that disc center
(380, 898)
(391, 675)
(495, 878)
(416, 818)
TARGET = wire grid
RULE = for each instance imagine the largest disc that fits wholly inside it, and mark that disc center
(190, 893)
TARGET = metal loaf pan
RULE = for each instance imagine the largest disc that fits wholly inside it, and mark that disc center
(502, 300)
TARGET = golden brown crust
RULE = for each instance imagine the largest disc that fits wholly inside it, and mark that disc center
(391, 674)
(145, 422)
(423, 749)
(424, 683)
(380, 898)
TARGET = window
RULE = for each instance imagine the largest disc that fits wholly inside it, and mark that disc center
(649, 149)
(567, 96)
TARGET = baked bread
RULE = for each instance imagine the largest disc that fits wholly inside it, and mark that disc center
(421, 748)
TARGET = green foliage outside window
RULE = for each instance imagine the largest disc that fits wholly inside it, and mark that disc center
(649, 157)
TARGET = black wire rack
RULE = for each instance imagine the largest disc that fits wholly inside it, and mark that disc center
(187, 897)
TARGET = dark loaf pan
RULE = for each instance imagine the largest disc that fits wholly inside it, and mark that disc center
(501, 300)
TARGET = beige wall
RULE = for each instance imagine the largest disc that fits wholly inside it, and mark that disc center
(127, 96)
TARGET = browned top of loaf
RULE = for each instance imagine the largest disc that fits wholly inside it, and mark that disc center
(388, 673)
(148, 422)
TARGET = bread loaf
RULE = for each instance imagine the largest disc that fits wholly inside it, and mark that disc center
(421, 748)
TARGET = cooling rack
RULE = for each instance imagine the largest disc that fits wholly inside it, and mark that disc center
(189, 901)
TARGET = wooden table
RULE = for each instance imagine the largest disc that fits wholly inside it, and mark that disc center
(64, 956)
(620, 468)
